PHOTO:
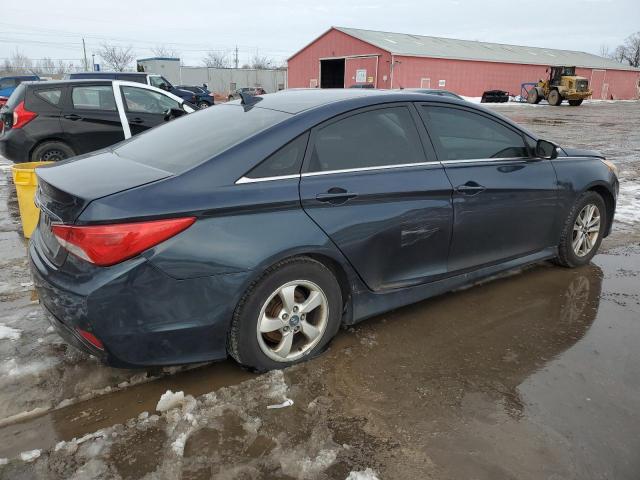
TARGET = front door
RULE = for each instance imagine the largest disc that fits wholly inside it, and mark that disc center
(145, 108)
(504, 201)
(90, 119)
(367, 183)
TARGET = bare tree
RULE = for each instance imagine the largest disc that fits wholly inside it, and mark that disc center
(164, 51)
(45, 66)
(117, 58)
(63, 67)
(18, 63)
(261, 62)
(618, 54)
(631, 49)
(216, 59)
(604, 51)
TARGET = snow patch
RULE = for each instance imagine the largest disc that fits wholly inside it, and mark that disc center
(287, 403)
(367, 474)
(4, 461)
(178, 445)
(628, 205)
(29, 456)
(9, 333)
(170, 400)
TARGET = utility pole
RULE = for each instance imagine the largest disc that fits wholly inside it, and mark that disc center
(235, 57)
(86, 62)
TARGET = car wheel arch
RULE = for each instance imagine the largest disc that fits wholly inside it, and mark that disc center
(343, 273)
(609, 202)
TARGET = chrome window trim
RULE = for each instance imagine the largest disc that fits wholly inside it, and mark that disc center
(367, 169)
(243, 180)
(487, 160)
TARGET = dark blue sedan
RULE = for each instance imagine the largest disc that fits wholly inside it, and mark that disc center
(256, 228)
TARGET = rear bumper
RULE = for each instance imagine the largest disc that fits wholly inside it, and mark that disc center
(142, 316)
(15, 145)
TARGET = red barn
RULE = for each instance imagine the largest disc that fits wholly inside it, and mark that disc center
(342, 57)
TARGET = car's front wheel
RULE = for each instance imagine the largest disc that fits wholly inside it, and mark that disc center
(202, 105)
(286, 316)
(583, 231)
(51, 152)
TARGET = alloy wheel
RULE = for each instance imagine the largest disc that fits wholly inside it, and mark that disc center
(586, 230)
(292, 320)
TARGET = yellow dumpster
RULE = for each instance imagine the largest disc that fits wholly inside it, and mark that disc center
(24, 176)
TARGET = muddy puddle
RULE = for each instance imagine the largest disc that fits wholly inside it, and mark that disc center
(535, 375)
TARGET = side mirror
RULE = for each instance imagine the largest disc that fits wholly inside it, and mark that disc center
(164, 86)
(546, 149)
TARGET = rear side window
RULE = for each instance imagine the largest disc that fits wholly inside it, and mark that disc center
(7, 83)
(194, 138)
(94, 97)
(374, 138)
(141, 100)
(286, 161)
(52, 96)
(462, 135)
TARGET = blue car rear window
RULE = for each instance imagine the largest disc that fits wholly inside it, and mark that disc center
(194, 138)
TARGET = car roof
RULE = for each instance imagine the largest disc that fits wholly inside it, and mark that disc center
(109, 73)
(297, 100)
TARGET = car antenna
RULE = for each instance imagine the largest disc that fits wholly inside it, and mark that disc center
(248, 99)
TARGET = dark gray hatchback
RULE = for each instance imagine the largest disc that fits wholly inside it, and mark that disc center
(306, 210)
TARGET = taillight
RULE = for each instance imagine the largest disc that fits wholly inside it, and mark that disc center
(106, 245)
(3, 100)
(22, 116)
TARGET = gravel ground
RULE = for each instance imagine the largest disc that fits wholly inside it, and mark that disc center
(533, 375)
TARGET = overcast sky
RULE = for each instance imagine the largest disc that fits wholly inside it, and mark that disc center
(277, 28)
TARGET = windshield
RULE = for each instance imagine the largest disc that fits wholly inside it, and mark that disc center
(194, 138)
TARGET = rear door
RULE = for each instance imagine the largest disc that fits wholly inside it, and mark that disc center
(385, 202)
(145, 108)
(90, 119)
(504, 201)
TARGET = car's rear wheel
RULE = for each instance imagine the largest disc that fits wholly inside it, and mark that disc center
(554, 98)
(202, 105)
(51, 152)
(575, 103)
(286, 316)
(583, 231)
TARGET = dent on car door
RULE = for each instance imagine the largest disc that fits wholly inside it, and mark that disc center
(504, 201)
(367, 183)
(90, 119)
(145, 108)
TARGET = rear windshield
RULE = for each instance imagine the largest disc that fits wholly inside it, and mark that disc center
(16, 97)
(194, 138)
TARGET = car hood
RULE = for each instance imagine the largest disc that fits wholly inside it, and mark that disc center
(578, 152)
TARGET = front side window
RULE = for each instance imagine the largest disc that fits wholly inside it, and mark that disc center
(462, 135)
(141, 100)
(95, 97)
(375, 138)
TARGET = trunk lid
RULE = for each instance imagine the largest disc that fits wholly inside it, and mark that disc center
(65, 190)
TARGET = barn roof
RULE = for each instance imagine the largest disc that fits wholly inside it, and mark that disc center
(437, 47)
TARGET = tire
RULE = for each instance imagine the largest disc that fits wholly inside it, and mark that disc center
(263, 307)
(52, 151)
(202, 105)
(230, 98)
(568, 254)
(533, 97)
(575, 103)
(555, 98)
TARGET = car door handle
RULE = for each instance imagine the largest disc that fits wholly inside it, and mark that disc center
(137, 120)
(73, 116)
(335, 196)
(470, 188)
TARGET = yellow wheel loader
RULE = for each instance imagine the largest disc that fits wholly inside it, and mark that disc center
(562, 84)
